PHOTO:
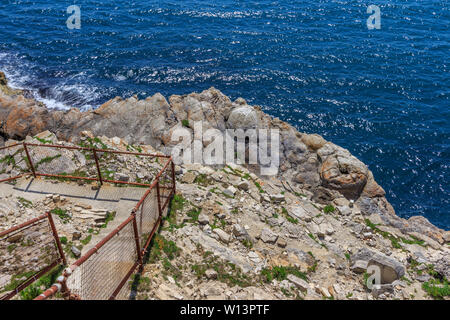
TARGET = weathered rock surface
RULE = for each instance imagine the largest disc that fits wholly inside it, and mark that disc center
(251, 229)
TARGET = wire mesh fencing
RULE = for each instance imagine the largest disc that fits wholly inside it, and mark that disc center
(31, 250)
(103, 272)
(91, 164)
(62, 162)
(13, 162)
(167, 186)
(65, 163)
(27, 252)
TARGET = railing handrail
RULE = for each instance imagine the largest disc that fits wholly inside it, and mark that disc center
(23, 225)
(40, 273)
(61, 285)
(47, 145)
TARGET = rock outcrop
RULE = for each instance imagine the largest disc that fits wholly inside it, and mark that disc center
(267, 240)
(306, 160)
(323, 210)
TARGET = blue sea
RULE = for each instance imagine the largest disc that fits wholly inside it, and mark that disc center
(382, 93)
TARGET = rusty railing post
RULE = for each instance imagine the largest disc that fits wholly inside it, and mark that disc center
(98, 166)
(30, 163)
(173, 177)
(55, 235)
(137, 239)
(158, 196)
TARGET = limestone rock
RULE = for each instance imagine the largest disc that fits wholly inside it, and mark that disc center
(360, 266)
(203, 219)
(188, 177)
(223, 236)
(211, 274)
(243, 185)
(343, 172)
(299, 283)
(244, 117)
(268, 236)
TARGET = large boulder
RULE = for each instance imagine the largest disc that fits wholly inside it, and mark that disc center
(390, 268)
(341, 171)
(244, 117)
(268, 236)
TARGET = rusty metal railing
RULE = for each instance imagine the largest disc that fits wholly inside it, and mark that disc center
(37, 238)
(42, 160)
(104, 270)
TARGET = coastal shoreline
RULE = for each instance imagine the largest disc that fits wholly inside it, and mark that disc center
(152, 120)
(314, 231)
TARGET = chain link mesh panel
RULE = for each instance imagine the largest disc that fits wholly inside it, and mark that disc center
(62, 161)
(147, 216)
(101, 274)
(166, 186)
(24, 253)
(13, 162)
(131, 168)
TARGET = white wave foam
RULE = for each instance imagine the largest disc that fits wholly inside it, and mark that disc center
(61, 96)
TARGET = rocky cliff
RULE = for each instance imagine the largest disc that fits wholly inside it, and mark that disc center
(323, 209)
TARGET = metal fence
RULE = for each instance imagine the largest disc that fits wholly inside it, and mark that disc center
(103, 272)
(105, 269)
(27, 252)
(13, 164)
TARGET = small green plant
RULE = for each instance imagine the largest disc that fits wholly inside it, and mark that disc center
(286, 292)
(46, 281)
(247, 243)
(8, 160)
(193, 214)
(26, 203)
(11, 247)
(46, 160)
(86, 240)
(437, 289)
(227, 195)
(280, 273)
(30, 293)
(170, 269)
(329, 209)
(288, 217)
(317, 241)
(185, 123)
(178, 203)
(161, 245)
(394, 240)
(43, 141)
(226, 272)
(176, 207)
(63, 240)
(261, 190)
(109, 217)
(62, 214)
(203, 180)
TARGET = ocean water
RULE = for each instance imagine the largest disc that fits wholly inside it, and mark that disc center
(383, 94)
